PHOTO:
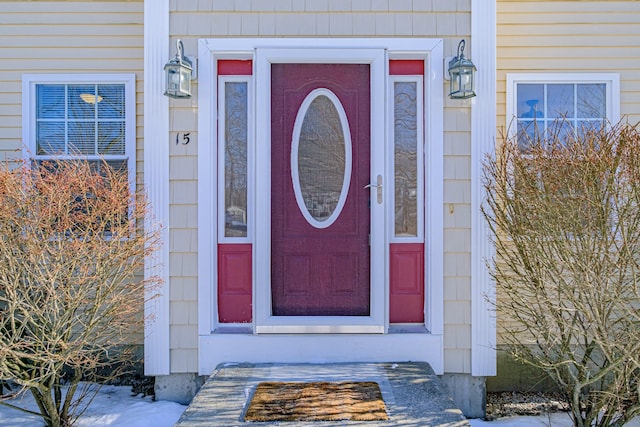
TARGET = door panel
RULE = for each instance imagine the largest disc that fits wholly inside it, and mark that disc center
(406, 295)
(320, 271)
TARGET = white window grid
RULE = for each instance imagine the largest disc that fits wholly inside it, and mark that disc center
(612, 96)
(29, 117)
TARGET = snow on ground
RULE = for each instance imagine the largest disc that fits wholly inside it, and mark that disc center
(113, 406)
(558, 419)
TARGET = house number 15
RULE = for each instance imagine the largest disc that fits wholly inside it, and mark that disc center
(185, 138)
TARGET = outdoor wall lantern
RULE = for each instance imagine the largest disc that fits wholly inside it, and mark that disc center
(461, 75)
(180, 72)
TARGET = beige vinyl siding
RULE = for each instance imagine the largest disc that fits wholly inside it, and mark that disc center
(570, 36)
(63, 37)
(446, 19)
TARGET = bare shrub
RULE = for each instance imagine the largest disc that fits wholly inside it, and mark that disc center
(72, 249)
(565, 215)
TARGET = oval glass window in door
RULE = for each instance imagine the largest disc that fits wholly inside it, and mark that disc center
(321, 158)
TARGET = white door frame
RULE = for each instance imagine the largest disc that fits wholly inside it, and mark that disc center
(265, 322)
(217, 347)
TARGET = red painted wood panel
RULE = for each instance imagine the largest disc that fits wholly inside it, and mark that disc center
(234, 283)
(228, 67)
(406, 296)
(319, 272)
(403, 67)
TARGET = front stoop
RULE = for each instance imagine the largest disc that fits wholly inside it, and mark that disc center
(413, 394)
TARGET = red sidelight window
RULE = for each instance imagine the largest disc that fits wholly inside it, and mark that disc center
(406, 299)
(234, 193)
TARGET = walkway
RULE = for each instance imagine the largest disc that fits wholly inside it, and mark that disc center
(413, 394)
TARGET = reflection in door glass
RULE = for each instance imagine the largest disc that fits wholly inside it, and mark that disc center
(235, 159)
(405, 135)
(322, 163)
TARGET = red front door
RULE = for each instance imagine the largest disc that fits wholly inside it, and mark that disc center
(320, 216)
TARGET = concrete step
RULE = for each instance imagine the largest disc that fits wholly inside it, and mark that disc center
(413, 394)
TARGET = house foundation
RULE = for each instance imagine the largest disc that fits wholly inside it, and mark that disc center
(180, 388)
(469, 393)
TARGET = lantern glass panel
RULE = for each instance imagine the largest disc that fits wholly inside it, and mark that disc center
(173, 80)
(466, 80)
(185, 81)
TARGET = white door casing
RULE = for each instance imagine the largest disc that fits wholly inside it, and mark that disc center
(263, 52)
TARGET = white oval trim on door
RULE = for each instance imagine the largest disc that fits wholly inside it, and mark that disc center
(318, 221)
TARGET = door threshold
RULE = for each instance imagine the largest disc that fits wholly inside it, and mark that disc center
(400, 328)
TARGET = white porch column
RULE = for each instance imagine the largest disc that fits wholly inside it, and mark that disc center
(483, 139)
(156, 182)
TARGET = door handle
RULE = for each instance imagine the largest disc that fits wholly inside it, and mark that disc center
(378, 187)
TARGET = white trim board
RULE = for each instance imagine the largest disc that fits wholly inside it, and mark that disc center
(156, 180)
(483, 139)
(324, 348)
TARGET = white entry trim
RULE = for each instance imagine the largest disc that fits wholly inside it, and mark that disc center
(398, 346)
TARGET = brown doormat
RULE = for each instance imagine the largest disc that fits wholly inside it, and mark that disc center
(316, 401)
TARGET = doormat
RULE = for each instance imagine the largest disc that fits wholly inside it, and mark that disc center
(316, 401)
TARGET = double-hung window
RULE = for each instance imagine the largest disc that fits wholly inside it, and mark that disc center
(566, 105)
(84, 116)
